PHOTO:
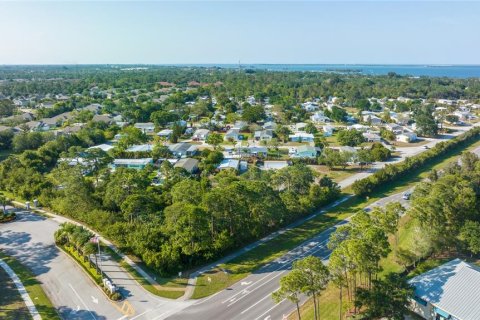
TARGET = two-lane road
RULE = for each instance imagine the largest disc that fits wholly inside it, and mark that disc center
(250, 299)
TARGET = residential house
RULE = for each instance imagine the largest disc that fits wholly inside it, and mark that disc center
(310, 106)
(263, 135)
(233, 134)
(253, 151)
(188, 164)
(301, 137)
(75, 128)
(306, 152)
(407, 137)
(372, 119)
(165, 133)
(395, 128)
(327, 131)
(145, 127)
(105, 147)
(183, 149)
(274, 165)
(229, 164)
(300, 126)
(201, 134)
(240, 125)
(449, 291)
(269, 125)
(358, 127)
(371, 137)
(137, 164)
(141, 148)
(103, 118)
(319, 117)
(94, 107)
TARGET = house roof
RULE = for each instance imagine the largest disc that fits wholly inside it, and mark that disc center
(451, 287)
(274, 165)
(229, 163)
(144, 125)
(165, 132)
(304, 148)
(188, 164)
(105, 147)
(143, 161)
(140, 148)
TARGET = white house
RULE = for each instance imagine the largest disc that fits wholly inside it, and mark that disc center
(165, 133)
(449, 291)
(274, 165)
(407, 137)
(358, 127)
(319, 117)
(372, 119)
(229, 164)
(327, 131)
(310, 106)
(301, 137)
(145, 127)
(232, 134)
(201, 134)
(371, 137)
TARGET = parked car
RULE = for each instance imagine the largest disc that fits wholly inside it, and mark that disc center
(406, 196)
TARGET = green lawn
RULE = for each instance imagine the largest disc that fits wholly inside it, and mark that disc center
(166, 292)
(242, 266)
(34, 289)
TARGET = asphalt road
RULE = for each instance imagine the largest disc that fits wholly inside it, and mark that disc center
(30, 239)
(250, 299)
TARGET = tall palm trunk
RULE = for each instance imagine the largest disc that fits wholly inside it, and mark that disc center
(315, 311)
(298, 311)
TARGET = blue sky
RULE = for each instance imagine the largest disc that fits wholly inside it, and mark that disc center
(381, 32)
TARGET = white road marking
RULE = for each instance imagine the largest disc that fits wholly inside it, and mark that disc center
(253, 305)
(273, 278)
(81, 300)
(95, 300)
(269, 274)
(246, 283)
(269, 310)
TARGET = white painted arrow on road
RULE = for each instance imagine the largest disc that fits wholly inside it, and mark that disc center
(245, 283)
(95, 300)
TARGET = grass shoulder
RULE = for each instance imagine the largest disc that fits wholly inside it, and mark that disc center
(34, 290)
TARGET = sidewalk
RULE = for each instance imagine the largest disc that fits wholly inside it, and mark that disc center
(21, 289)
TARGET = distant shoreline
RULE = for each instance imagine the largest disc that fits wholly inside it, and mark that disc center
(414, 70)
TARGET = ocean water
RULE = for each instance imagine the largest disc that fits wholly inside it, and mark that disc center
(451, 71)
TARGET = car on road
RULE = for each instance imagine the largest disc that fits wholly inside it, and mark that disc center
(406, 196)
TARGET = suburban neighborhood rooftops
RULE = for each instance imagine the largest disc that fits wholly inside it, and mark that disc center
(189, 164)
(103, 146)
(143, 161)
(274, 165)
(228, 163)
(451, 287)
(140, 148)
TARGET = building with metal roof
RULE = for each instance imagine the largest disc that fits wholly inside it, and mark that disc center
(450, 291)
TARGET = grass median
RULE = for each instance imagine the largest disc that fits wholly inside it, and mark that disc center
(34, 289)
(229, 273)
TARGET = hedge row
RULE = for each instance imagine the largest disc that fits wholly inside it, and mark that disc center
(391, 172)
